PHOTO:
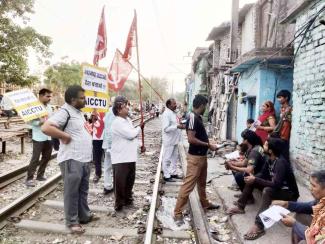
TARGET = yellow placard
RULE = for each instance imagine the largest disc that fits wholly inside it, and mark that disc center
(94, 81)
(96, 101)
(26, 104)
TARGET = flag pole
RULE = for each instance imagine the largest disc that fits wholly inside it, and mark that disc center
(148, 83)
(139, 76)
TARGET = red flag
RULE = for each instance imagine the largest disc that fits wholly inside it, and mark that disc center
(130, 42)
(101, 45)
(118, 72)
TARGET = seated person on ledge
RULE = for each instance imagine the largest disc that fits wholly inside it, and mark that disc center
(277, 182)
(240, 161)
(316, 231)
(254, 163)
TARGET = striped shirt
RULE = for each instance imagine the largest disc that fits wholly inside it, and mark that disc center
(80, 148)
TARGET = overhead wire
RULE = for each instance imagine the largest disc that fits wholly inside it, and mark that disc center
(303, 30)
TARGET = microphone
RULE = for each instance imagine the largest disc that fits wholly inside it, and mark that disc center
(322, 21)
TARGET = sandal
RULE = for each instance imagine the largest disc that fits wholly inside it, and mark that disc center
(254, 235)
(76, 229)
(235, 210)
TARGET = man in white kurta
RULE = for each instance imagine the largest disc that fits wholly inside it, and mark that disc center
(171, 135)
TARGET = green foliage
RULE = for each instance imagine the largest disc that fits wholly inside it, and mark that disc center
(61, 75)
(16, 41)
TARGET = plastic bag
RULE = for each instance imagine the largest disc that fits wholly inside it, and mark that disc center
(165, 215)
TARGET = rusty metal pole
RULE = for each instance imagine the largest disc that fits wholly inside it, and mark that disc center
(139, 78)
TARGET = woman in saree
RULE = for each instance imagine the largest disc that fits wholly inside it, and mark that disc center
(266, 122)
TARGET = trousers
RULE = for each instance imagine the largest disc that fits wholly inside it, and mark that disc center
(97, 156)
(43, 148)
(123, 178)
(169, 160)
(75, 176)
(108, 171)
(196, 174)
(268, 195)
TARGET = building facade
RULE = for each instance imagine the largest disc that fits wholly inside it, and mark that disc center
(307, 144)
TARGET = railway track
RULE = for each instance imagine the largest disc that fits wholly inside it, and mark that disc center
(138, 224)
(20, 172)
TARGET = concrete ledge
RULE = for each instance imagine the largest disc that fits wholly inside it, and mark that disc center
(47, 227)
(242, 222)
(59, 205)
(175, 234)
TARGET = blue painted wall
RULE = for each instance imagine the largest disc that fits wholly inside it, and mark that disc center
(264, 83)
(248, 83)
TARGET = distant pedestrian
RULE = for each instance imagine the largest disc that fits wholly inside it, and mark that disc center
(107, 147)
(196, 173)
(157, 111)
(124, 153)
(171, 134)
(74, 156)
(97, 131)
(42, 145)
(7, 109)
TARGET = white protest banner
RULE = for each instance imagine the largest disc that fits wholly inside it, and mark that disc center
(26, 104)
(94, 78)
(94, 81)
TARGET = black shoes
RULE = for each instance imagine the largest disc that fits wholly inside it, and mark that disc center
(42, 178)
(213, 206)
(107, 191)
(179, 220)
(170, 179)
(176, 177)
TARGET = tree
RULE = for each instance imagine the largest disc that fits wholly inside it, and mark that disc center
(61, 75)
(15, 42)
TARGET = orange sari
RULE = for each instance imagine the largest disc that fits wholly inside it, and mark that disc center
(315, 234)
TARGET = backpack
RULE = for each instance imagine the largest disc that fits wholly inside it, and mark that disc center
(56, 141)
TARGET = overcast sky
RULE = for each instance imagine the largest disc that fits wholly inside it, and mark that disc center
(167, 29)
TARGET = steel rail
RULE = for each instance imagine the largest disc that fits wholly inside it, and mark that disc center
(16, 174)
(18, 206)
(21, 204)
(200, 223)
(153, 205)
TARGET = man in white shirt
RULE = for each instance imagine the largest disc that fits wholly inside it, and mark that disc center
(6, 108)
(124, 153)
(171, 135)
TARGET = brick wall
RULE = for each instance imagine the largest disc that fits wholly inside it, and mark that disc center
(307, 144)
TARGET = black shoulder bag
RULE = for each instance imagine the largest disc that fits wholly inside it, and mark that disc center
(56, 141)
